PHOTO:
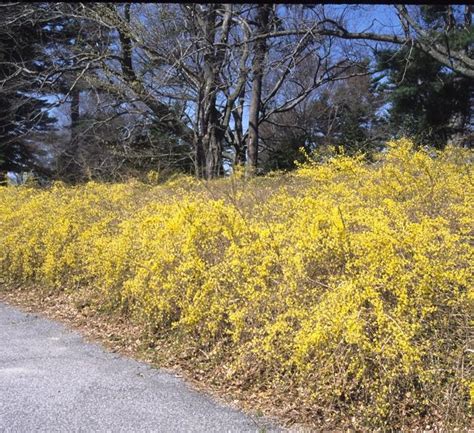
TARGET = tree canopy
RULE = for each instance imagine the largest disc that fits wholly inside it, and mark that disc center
(200, 88)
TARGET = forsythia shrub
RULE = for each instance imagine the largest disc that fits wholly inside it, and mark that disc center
(345, 285)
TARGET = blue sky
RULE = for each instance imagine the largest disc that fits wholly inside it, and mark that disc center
(375, 18)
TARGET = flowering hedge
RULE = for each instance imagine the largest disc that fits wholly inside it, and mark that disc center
(345, 285)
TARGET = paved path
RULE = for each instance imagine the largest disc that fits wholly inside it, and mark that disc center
(53, 381)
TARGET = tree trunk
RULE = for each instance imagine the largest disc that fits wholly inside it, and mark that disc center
(468, 16)
(210, 136)
(199, 157)
(469, 140)
(68, 165)
(75, 101)
(239, 142)
(211, 140)
(262, 19)
(214, 154)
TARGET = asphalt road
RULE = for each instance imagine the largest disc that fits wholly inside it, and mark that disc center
(53, 381)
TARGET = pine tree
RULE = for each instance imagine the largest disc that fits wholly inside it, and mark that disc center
(428, 101)
(22, 110)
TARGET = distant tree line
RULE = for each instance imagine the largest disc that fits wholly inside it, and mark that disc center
(111, 90)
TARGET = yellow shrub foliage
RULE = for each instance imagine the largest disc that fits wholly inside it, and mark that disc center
(345, 285)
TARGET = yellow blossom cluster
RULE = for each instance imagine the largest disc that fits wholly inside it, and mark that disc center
(345, 285)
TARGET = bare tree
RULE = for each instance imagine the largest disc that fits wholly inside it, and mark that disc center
(206, 75)
(262, 21)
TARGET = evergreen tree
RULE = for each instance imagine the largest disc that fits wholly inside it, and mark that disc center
(429, 101)
(22, 110)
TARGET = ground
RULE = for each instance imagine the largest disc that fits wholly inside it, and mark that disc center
(52, 380)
